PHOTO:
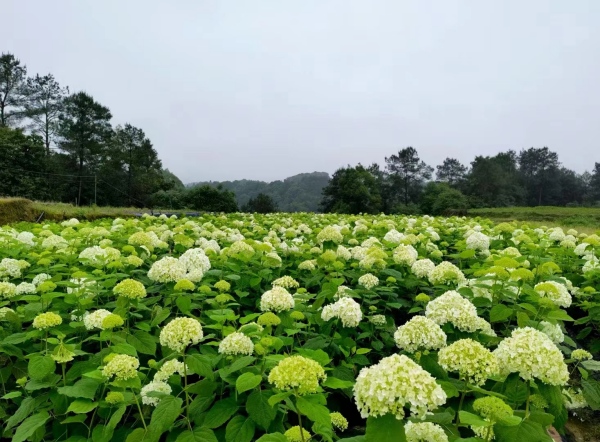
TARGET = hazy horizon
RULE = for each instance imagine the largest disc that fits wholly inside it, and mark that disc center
(266, 90)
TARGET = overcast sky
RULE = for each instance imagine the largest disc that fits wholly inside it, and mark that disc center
(268, 89)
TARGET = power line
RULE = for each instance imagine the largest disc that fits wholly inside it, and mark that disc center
(122, 191)
(51, 174)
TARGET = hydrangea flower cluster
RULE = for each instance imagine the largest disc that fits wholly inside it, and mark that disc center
(420, 333)
(287, 282)
(154, 387)
(46, 320)
(554, 291)
(424, 432)
(236, 343)
(532, 354)
(121, 367)
(168, 369)
(278, 299)
(180, 333)
(422, 268)
(446, 272)
(297, 373)
(167, 269)
(405, 255)
(130, 288)
(394, 382)
(473, 362)
(368, 281)
(346, 309)
(453, 308)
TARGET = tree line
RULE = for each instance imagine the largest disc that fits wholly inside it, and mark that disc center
(58, 145)
(406, 184)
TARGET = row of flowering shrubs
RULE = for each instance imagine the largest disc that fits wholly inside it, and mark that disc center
(290, 328)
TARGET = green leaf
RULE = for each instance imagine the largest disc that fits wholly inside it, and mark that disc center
(82, 406)
(77, 419)
(591, 393)
(353, 439)
(105, 434)
(165, 414)
(258, 408)
(554, 397)
(220, 413)
(591, 365)
(200, 364)
(240, 363)
(247, 381)
(12, 395)
(198, 435)
(526, 431)
(25, 409)
(162, 314)
(143, 342)
(272, 437)
(337, 384)
(85, 388)
(29, 426)
(239, 429)
(315, 412)
(385, 429)
(184, 304)
(40, 366)
(500, 313)
(559, 315)
(472, 419)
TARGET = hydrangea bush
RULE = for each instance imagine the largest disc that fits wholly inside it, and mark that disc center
(296, 327)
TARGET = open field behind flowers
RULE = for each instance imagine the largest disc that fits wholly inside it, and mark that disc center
(290, 328)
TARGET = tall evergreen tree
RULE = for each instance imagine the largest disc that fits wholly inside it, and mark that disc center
(21, 164)
(12, 75)
(451, 171)
(132, 153)
(538, 168)
(42, 102)
(84, 130)
(408, 173)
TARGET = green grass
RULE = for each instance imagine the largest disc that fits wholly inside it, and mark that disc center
(579, 218)
(14, 210)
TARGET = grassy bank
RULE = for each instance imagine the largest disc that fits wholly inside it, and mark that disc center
(14, 210)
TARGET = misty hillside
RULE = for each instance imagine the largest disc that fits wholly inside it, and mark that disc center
(298, 193)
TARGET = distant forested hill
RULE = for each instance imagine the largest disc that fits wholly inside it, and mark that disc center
(298, 193)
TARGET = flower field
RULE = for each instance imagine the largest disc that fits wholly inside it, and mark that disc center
(296, 327)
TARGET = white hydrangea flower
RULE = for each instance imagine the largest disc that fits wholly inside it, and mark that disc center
(368, 281)
(553, 331)
(532, 354)
(346, 309)
(422, 268)
(94, 320)
(154, 387)
(453, 308)
(394, 382)
(446, 272)
(236, 343)
(180, 333)
(478, 241)
(555, 291)
(278, 299)
(424, 432)
(167, 269)
(420, 333)
(405, 255)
